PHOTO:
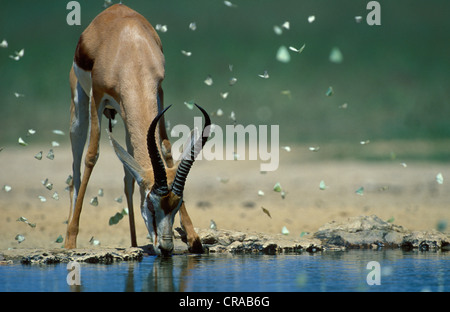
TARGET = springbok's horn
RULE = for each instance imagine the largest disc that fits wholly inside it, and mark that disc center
(159, 172)
(187, 161)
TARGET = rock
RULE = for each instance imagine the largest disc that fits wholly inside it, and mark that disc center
(372, 232)
(236, 247)
(225, 241)
(426, 240)
(251, 239)
(361, 232)
(52, 256)
(209, 239)
(237, 236)
(357, 232)
(217, 249)
(362, 223)
(270, 248)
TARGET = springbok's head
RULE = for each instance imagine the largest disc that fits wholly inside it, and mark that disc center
(161, 187)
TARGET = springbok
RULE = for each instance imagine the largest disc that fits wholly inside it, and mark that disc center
(118, 68)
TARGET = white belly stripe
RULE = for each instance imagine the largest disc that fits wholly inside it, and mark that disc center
(85, 79)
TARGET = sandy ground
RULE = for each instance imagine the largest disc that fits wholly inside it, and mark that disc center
(223, 191)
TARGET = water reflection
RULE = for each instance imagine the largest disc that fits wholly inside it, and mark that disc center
(330, 271)
(152, 274)
(168, 274)
(327, 271)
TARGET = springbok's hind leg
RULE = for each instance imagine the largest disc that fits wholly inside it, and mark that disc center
(79, 125)
(90, 161)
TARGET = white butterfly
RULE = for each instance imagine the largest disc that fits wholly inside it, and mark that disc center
(18, 55)
(187, 53)
(265, 75)
(298, 50)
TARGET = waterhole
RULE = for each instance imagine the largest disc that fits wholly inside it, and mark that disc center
(320, 272)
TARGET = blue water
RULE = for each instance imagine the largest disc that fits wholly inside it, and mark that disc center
(328, 271)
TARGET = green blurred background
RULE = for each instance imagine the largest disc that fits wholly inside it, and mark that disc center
(393, 77)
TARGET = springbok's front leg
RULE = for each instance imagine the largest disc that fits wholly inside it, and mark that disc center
(193, 240)
(128, 181)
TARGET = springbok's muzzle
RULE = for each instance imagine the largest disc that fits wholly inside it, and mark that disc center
(166, 245)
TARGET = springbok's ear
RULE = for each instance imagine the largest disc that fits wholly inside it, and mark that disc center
(128, 161)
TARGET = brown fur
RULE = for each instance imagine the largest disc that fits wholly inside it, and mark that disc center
(124, 55)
